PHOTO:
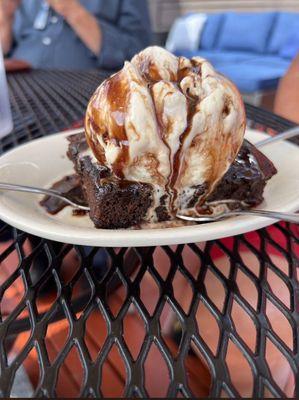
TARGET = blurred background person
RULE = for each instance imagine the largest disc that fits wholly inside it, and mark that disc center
(287, 98)
(73, 34)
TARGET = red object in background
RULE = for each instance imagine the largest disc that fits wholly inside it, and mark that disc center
(77, 124)
(12, 65)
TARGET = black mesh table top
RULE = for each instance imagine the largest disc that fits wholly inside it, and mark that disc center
(215, 319)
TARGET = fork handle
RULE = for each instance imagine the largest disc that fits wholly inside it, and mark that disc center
(47, 192)
(290, 133)
(29, 189)
(283, 216)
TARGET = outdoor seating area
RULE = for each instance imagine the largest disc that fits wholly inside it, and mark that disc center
(149, 208)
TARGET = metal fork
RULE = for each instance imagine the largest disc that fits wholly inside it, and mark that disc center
(290, 217)
(283, 216)
(290, 133)
(47, 192)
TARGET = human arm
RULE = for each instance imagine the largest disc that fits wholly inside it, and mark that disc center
(7, 13)
(110, 42)
(287, 97)
(82, 22)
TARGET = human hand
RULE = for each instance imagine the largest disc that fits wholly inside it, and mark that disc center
(66, 8)
(9, 7)
(84, 24)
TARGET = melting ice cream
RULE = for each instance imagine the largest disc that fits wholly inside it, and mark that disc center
(170, 122)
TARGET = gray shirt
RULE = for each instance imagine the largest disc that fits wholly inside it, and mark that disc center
(125, 31)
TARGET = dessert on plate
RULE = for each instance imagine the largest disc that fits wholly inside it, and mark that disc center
(165, 135)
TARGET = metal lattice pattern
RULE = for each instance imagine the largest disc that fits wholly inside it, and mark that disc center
(45, 103)
(214, 319)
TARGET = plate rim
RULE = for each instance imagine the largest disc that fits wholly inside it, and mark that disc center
(117, 238)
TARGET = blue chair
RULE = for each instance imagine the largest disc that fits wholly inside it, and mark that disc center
(253, 49)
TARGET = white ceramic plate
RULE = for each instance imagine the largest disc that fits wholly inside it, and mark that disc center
(43, 161)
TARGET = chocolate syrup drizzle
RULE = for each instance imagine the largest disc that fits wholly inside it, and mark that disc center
(115, 93)
(151, 75)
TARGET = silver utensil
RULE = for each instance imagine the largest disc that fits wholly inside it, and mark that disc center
(290, 133)
(290, 217)
(48, 192)
(283, 216)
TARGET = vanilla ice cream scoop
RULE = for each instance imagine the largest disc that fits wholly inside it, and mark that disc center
(168, 121)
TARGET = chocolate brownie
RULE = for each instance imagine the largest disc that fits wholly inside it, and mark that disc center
(77, 147)
(116, 203)
(113, 203)
(71, 186)
(247, 177)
